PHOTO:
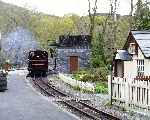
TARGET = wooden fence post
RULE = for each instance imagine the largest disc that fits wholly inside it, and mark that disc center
(127, 89)
(110, 87)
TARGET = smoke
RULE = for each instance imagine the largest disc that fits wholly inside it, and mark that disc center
(17, 44)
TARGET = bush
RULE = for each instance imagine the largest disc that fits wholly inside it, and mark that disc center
(88, 77)
(99, 74)
(79, 74)
(92, 75)
(101, 88)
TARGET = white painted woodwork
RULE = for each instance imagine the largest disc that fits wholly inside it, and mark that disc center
(133, 93)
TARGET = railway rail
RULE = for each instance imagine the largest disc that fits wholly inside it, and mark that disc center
(48, 89)
(83, 107)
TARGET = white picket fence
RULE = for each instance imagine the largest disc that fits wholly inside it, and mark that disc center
(131, 92)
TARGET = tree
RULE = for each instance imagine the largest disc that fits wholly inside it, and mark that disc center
(131, 15)
(98, 57)
(142, 16)
(92, 13)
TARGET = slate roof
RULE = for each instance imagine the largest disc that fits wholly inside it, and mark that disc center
(143, 40)
(123, 55)
(74, 41)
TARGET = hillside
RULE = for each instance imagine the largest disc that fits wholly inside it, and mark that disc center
(10, 16)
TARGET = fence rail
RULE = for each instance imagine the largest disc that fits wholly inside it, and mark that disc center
(131, 92)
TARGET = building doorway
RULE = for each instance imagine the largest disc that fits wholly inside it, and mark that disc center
(74, 63)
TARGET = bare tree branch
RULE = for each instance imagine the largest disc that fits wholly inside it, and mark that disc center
(92, 15)
(131, 12)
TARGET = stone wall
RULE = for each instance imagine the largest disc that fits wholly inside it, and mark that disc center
(63, 55)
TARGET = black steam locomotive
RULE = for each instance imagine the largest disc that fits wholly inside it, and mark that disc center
(38, 63)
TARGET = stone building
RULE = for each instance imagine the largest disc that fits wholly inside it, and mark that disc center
(73, 53)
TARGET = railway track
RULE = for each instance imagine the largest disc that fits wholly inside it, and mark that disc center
(87, 110)
(48, 89)
(83, 107)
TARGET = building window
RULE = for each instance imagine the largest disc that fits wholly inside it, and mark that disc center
(140, 67)
(131, 49)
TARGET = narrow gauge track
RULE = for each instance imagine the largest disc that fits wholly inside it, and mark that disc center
(80, 106)
(88, 110)
(48, 89)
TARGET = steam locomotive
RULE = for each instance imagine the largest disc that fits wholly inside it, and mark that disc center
(38, 63)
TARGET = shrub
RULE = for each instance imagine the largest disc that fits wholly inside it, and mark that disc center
(92, 75)
(79, 75)
(99, 74)
(88, 77)
(101, 88)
